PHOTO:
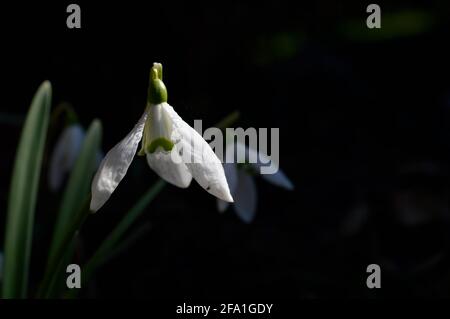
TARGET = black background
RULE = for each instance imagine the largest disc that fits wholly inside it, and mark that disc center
(354, 115)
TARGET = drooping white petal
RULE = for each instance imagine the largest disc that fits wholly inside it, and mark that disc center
(169, 166)
(231, 174)
(200, 159)
(245, 197)
(278, 178)
(115, 165)
(64, 155)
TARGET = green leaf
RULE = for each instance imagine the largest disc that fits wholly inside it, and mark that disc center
(58, 280)
(122, 246)
(56, 264)
(110, 245)
(228, 120)
(73, 210)
(127, 242)
(130, 217)
(23, 195)
(78, 185)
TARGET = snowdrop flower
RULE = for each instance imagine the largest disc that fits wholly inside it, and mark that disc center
(240, 177)
(65, 153)
(173, 149)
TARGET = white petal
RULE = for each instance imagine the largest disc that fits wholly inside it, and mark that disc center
(115, 165)
(200, 159)
(245, 197)
(278, 179)
(170, 167)
(64, 155)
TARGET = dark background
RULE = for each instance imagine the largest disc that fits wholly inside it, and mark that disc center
(363, 117)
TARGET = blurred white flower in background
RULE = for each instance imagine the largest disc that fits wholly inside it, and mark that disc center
(241, 179)
(65, 154)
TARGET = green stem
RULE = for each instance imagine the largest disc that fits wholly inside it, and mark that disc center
(228, 120)
(55, 260)
(112, 240)
(92, 265)
(57, 282)
(128, 220)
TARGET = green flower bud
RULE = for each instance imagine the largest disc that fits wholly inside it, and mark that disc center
(157, 92)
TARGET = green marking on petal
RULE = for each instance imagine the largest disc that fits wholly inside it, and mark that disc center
(166, 144)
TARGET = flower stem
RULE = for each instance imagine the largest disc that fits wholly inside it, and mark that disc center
(228, 120)
(112, 240)
(55, 260)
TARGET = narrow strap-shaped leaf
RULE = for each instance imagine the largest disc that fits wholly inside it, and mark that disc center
(73, 210)
(78, 185)
(23, 194)
(58, 281)
(54, 264)
(111, 242)
(93, 264)
(127, 242)
(129, 218)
